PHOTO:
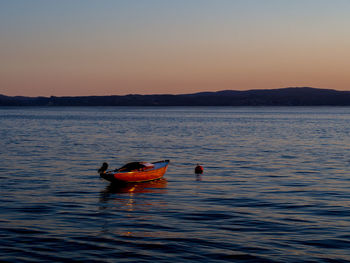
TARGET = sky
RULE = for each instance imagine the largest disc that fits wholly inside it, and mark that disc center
(118, 47)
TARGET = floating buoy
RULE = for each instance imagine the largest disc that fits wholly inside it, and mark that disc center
(198, 169)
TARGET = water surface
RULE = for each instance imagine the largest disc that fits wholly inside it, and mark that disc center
(275, 188)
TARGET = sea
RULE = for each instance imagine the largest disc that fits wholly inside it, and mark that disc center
(275, 187)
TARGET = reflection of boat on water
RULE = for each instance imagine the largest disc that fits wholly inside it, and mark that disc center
(125, 194)
(143, 187)
(123, 204)
(135, 172)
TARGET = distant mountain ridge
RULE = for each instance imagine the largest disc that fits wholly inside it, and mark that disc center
(293, 96)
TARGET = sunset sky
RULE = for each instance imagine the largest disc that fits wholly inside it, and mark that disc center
(106, 47)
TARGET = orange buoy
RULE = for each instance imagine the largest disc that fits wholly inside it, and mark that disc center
(198, 169)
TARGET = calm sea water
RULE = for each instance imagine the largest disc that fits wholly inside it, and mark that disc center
(275, 188)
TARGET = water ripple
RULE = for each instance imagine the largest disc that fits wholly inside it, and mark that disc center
(275, 186)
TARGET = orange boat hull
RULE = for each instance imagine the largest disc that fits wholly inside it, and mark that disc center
(138, 176)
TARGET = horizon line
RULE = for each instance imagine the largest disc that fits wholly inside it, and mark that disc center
(172, 94)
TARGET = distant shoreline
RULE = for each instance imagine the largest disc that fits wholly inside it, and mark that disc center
(294, 96)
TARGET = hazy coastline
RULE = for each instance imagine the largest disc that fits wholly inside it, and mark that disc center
(295, 96)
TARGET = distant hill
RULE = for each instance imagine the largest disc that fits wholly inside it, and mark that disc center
(298, 96)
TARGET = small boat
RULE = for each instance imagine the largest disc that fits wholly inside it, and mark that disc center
(135, 172)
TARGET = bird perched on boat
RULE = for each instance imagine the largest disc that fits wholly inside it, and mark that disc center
(198, 169)
(103, 168)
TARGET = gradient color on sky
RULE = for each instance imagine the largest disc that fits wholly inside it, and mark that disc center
(89, 47)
